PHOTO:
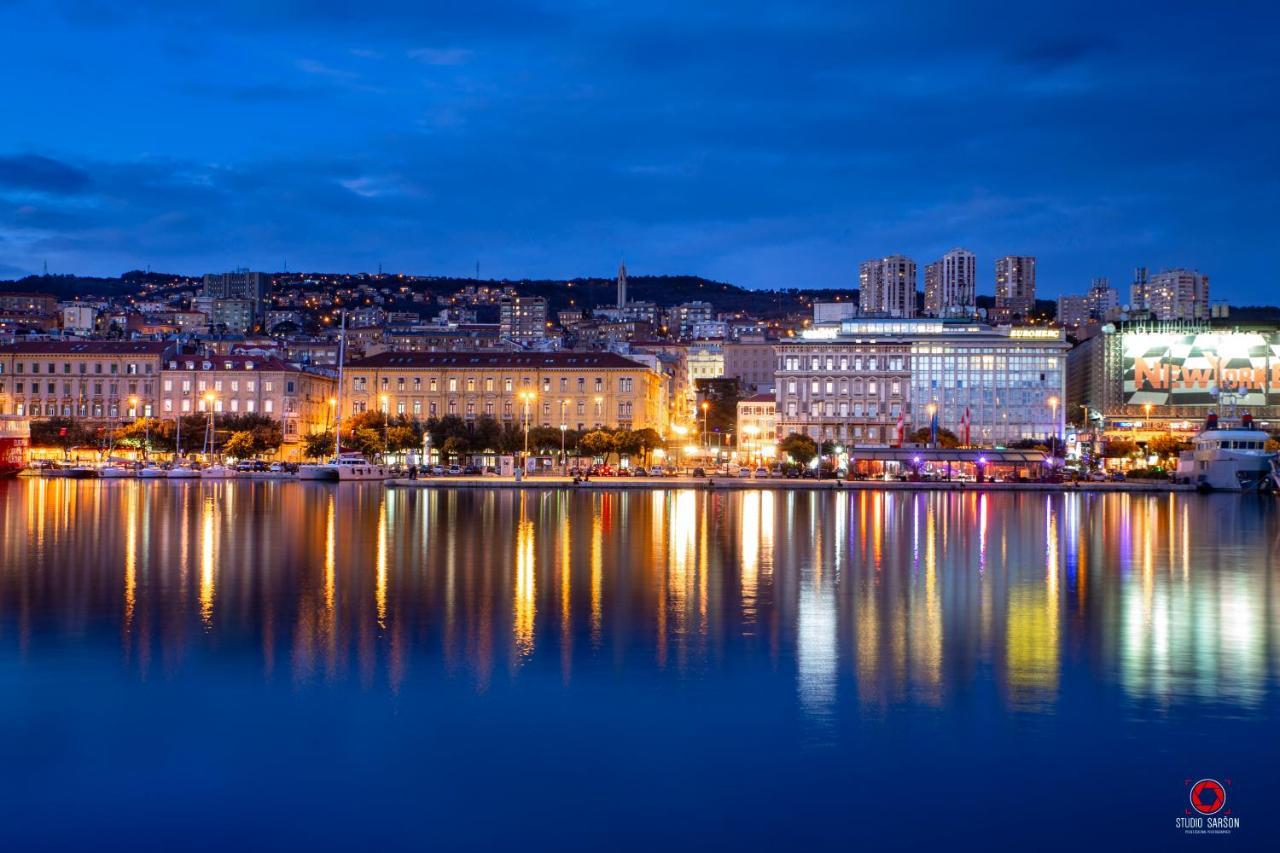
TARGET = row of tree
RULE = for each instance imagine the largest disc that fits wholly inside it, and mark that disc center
(373, 433)
(242, 435)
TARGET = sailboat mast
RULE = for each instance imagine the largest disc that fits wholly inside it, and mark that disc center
(342, 359)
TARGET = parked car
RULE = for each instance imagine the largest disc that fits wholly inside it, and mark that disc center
(455, 470)
(1118, 477)
(744, 472)
(698, 472)
(762, 473)
(471, 471)
(276, 468)
(792, 473)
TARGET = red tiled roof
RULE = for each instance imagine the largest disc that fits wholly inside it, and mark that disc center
(498, 360)
(761, 398)
(87, 348)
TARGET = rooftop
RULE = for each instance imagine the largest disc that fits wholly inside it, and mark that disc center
(87, 348)
(498, 360)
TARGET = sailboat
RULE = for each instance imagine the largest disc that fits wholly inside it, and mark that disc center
(215, 470)
(180, 471)
(350, 466)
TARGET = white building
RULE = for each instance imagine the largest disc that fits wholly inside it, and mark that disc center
(1178, 294)
(849, 382)
(78, 317)
(950, 285)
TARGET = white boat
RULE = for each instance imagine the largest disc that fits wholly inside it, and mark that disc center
(78, 472)
(151, 472)
(1227, 460)
(353, 466)
(183, 472)
(322, 471)
(115, 472)
(218, 472)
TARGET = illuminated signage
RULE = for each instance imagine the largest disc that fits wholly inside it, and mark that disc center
(1036, 334)
(1201, 369)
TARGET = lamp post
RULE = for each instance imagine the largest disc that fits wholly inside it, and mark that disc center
(564, 429)
(1053, 436)
(527, 398)
(210, 442)
(933, 433)
(386, 427)
(706, 436)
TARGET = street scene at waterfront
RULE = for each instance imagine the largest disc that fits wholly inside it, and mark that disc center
(456, 665)
(544, 425)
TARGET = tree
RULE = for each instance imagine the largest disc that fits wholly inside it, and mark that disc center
(649, 440)
(318, 445)
(240, 445)
(1165, 446)
(597, 442)
(799, 447)
(628, 442)
(946, 438)
(1119, 448)
(454, 446)
(722, 395)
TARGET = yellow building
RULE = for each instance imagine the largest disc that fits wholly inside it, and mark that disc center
(580, 390)
(80, 379)
(241, 385)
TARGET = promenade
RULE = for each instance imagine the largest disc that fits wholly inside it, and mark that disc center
(775, 484)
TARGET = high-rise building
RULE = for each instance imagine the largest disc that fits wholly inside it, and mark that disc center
(523, 319)
(1073, 311)
(622, 286)
(1138, 290)
(1015, 287)
(254, 287)
(1104, 302)
(887, 286)
(950, 285)
(1178, 294)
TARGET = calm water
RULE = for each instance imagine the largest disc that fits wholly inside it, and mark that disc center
(290, 665)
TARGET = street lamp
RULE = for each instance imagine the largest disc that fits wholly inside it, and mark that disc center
(526, 397)
(146, 424)
(386, 426)
(1053, 439)
(564, 429)
(209, 443)
(706, 436)
(932, 408)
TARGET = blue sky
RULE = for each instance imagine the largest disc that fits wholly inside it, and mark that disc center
(767, 144)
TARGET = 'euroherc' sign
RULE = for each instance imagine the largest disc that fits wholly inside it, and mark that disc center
(1196, 369)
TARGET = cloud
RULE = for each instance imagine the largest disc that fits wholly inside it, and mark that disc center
(440, 56)
(41, 174)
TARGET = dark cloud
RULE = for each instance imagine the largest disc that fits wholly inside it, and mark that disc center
(40, 174)
(1051, 54)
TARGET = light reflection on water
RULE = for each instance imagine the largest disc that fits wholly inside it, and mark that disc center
(906, 597)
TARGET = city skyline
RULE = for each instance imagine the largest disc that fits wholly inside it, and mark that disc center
(547, 144)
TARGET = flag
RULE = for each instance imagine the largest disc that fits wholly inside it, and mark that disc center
(965, 423)
(901, 427)
(933, 427)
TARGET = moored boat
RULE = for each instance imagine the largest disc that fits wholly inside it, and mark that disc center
(1227, 459)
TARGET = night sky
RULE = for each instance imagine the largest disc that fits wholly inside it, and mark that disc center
(766, 144)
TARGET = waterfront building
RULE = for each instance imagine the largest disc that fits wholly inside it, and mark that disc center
(247, 385)
(82, 379)
(849, 382)
(705, 361)
(581, 390)
(758, 421)
(523, 319)
(1146, 377)
(1015, 287)
(887, 286)
(950, 285)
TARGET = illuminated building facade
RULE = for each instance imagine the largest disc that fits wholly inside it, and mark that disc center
(581, 390)
(850, 382)
(81, 379)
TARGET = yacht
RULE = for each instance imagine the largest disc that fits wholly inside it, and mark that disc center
(217, 471)
(116, 471)
(152, 471)
(183, 472)
(1226, 459)
(353, 466)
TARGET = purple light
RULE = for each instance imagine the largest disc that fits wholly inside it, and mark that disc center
(917, 460)
(982, 460)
